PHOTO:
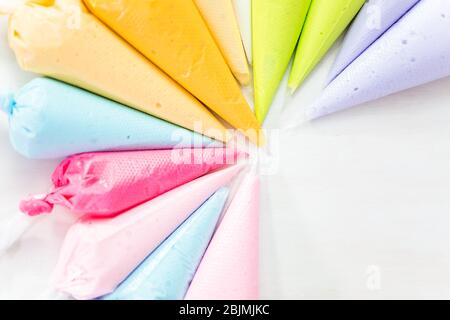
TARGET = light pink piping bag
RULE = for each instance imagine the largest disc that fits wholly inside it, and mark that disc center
(230, 268)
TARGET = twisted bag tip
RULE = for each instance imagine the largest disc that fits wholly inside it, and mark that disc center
(6, 102)
(35, 207)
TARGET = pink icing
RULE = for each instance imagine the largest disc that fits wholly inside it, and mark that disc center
(109, 183)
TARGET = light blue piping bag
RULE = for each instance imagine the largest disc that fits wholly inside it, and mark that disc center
(50, 119)
(168, 271)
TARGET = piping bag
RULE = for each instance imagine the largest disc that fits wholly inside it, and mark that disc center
(325, 22)
(98, 254)
(167, 272)
(105, 184)
(229, 269)
(276, 29)
(243, 9)
(374, 19)
(50, 119)
(221, 20)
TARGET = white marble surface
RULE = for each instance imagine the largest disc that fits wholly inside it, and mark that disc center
(358, 207)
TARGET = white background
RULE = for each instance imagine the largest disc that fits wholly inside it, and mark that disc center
(359, 206)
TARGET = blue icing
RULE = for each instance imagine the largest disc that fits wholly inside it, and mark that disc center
(51, 119)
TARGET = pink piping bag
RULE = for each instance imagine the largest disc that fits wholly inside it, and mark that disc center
(105, 184)
(230, 267)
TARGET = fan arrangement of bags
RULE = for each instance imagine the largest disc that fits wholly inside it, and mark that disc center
(168, 207)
